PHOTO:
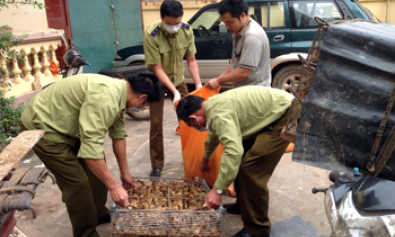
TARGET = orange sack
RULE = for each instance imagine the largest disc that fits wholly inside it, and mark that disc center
(54, 68)
(290, 147)
(192, 142)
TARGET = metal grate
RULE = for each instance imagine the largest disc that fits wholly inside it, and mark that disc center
(167, 207)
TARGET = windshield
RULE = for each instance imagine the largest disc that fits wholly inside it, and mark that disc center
(207, 18)
(208, 24)
(367, 12)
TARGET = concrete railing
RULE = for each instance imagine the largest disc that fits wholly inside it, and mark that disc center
(32, 73)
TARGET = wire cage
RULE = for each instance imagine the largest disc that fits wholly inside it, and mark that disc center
(167, 207)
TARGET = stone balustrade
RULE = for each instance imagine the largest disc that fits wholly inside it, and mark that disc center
(32, 73)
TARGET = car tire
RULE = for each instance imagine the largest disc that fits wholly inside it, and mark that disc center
(287, 76)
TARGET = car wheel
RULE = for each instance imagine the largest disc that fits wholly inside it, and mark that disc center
(288, 77)
(142, 115)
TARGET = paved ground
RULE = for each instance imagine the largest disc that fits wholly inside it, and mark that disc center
(290, 186)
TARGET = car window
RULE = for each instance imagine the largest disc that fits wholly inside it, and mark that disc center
(272, 15)
(303, 12)
(208, 24)
(366, 11)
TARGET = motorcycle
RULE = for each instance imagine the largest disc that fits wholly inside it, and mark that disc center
(337, 125)
(359, 205)
(74, 62)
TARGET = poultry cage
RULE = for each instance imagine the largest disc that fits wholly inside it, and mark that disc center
(167, 207)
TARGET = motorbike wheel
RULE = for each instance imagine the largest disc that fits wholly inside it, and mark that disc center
(142, 115)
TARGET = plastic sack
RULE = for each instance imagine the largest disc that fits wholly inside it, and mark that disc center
(192, 142)
(290, 147)
(54, 68)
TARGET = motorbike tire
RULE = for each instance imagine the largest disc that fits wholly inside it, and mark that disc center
(142, 115)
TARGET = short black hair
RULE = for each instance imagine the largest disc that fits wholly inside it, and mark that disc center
(234, 7)
(171, 8)
(188, 106)
(146, 83)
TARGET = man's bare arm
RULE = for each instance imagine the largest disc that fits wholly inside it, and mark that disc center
(160, 73)
(100, 169)
(193, 69)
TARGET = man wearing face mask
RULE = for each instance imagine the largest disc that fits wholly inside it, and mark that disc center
(76, 114)
(247, 121)
(166, 42)
(250, 63)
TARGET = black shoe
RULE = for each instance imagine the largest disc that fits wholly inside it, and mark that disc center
(242, 233)
(232, 208)
(104, 220)
(155, 173)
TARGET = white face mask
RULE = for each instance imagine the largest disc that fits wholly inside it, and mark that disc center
(202, 129)
(135, 109)
(172, 28)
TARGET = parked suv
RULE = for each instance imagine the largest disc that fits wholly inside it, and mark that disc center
(289, 25)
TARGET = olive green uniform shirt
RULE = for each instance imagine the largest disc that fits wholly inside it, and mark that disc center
(162, 48)
(236, 115)
(83, 107)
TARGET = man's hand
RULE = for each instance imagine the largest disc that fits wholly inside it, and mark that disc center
(128, 181)
(198, 86)
(213, 83)
(204, 165)
(120, 196)
(212, 200)
(177, 97)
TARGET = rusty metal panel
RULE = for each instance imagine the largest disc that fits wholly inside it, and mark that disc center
(353, 81)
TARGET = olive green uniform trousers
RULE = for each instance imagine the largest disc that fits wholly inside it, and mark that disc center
(83, 193)
(261, 156)
(156, 128)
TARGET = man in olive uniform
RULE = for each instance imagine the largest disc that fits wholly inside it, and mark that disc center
(166, 42)
(76, 114)
(247, 121)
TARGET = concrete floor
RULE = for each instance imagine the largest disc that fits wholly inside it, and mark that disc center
(290, 186)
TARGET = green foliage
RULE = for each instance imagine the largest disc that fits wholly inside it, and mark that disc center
(7, 40)
(9, 118)
(5, 27)
(6, 3)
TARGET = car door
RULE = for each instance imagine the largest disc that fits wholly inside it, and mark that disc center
(213, 44)
(274, 18)
(303, 25)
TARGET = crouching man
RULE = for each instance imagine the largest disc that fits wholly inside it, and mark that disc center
(247, 121)
(76, 114)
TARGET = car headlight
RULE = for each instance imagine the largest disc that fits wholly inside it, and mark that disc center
(347, 222)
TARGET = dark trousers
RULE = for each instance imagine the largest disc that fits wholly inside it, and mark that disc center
(261, 157)
(156, 128)
(83, 193)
